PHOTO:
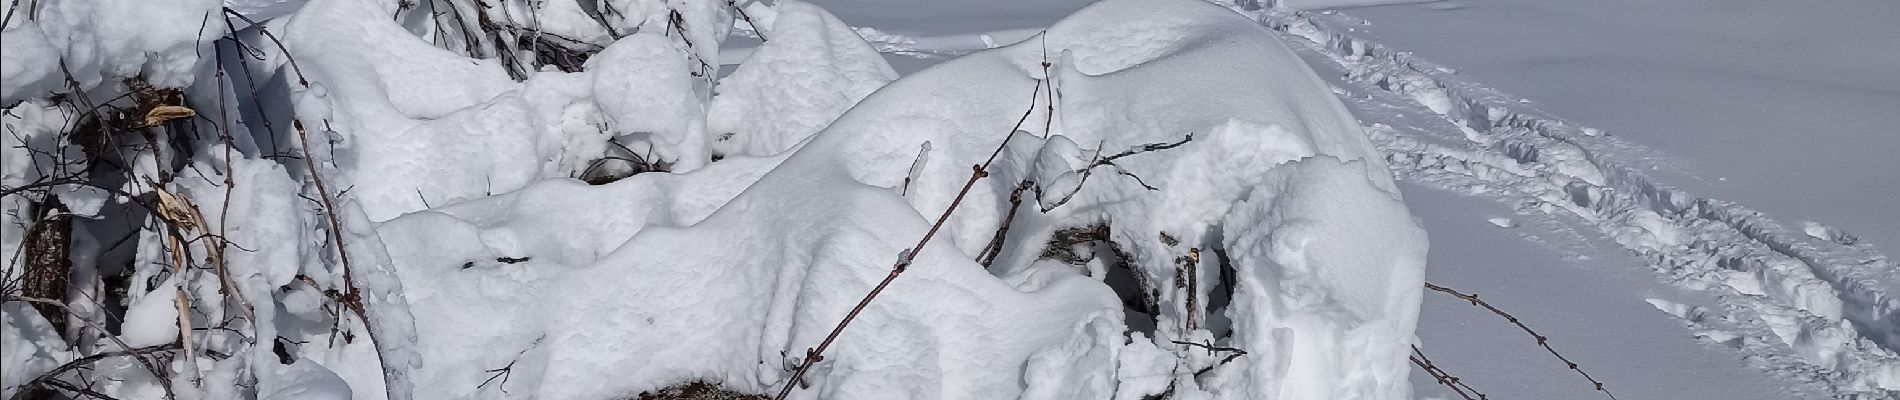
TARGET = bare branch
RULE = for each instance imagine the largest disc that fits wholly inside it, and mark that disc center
(1108, 161)
(1444, 378)
(977, 172)
(1541, 339)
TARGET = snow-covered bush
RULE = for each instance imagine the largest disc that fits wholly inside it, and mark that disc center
(375, 199)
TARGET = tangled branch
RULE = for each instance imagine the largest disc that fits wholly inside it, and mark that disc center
(50, 378)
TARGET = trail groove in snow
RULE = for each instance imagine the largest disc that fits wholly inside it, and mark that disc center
(1817, 310)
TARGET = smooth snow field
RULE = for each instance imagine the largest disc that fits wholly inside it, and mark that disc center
(949, 199)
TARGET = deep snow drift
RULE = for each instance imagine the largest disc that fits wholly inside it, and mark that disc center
(1250, 213)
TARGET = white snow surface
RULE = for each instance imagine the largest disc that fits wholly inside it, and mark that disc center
(98, 40)
(1689, 76)
(790, 181)
(677, 282)
(1815, 312)
(812, 69)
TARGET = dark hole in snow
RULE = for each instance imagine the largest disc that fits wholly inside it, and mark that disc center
(283, 348)
(697, 390)
(1133, 290)
(1082, 245)
(622, 161)
(1222, 294)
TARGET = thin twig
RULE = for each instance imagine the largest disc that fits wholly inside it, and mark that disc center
(736, 8)
(1444, 378)
(1211, 348)
(224, 210)
(508, 370)
(995, 248)
(280, 46)
(1108, 161)
(977, 172)
(51, 376)
(1541, 339)
(352, 298)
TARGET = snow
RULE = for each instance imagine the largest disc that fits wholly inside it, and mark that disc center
(308, 382)
(571, 331)
(1817, 311)
(1333, 4)
(1594, 303)
(110, 39)
(395, 212)
(1789, 101)
(26, 67)
(1317, 312)
(152, 320)
(32, 348)
(813, 68)
(645, 93)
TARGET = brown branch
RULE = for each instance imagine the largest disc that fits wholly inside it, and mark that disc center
(1541, 339)
(1444, 378)
(227, 285)
(995, 248)
(352, 298)
(1109, 161)
(977, 172)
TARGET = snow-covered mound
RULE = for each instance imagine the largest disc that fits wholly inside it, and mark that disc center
(1199, 216)
(1277, 178)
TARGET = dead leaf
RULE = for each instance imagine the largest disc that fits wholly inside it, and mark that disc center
(160, 114)
(176, 210)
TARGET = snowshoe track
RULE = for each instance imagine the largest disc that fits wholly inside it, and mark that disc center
(1820, 310)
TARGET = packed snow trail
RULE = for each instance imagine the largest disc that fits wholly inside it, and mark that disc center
(1802, 304)
(1786, 107)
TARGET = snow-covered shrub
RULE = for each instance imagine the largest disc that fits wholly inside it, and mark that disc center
(372, 199)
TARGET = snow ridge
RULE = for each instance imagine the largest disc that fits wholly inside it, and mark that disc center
(1819, 309)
